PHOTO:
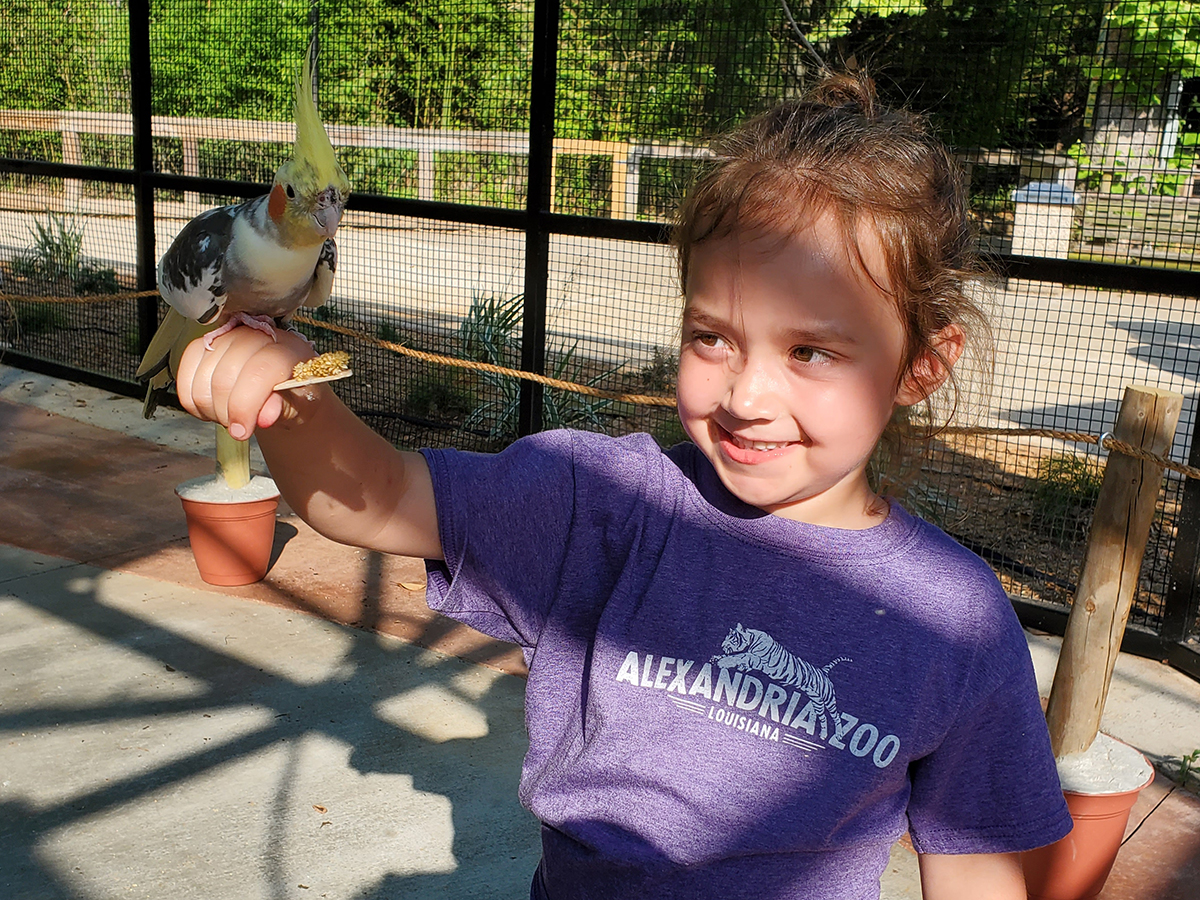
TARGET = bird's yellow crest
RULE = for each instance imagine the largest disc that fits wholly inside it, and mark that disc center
(313, 150)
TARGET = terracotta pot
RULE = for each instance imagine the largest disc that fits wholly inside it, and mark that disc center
(231, 541)
(1076, 867)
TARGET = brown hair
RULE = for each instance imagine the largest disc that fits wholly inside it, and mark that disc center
(838, 149)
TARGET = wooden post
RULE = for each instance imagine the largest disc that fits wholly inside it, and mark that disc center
(191, 166)
(425, 173)
(72, 151)
(1111, 565)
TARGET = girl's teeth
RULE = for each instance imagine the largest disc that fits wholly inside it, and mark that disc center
(758, 445)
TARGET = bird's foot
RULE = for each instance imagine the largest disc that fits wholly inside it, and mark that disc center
(300, 334)
(265, 324)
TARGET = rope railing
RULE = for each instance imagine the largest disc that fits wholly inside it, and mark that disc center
(1105, 440)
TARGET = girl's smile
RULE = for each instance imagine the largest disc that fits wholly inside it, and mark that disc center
(790, 370)
(751, 452)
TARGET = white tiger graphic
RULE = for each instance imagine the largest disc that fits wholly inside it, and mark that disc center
(747, 649)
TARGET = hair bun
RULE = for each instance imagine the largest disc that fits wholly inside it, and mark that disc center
(856, 92)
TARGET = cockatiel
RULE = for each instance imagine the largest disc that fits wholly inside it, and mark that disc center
(255, 262)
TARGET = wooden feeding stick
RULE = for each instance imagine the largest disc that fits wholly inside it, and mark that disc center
(1111, 566)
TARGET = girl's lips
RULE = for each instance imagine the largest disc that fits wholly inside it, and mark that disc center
(742, 451)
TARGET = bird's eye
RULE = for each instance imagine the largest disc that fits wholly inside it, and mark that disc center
(291, 192)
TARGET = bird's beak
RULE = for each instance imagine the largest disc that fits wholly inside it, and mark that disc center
(328, 212)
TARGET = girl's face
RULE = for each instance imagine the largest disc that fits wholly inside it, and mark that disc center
(789, 371)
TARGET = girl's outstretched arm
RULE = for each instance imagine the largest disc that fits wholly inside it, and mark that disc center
(343, 479)
(978, 876)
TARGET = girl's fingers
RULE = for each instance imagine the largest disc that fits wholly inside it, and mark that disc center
(185, 377)
(232, 360)
(232, 382)
(252, 401)
(193, 380)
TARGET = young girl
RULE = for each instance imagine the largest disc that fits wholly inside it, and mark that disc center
(749, 673)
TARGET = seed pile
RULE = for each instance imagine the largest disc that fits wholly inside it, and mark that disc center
(322, 366)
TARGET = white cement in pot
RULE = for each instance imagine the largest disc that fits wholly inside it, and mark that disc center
(1106, 767)
(213, 489)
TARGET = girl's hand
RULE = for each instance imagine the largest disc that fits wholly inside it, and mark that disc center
(233, 383)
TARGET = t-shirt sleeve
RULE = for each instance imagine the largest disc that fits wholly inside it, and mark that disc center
(991, 786)
(503, 520)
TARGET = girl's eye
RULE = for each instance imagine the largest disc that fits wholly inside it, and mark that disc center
(809, 354)
(708, 340)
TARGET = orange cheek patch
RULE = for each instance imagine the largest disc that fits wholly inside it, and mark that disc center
(278, 201)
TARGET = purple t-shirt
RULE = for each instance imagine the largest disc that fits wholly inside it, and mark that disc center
(724, 703)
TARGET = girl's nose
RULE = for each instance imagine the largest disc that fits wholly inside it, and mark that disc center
(753, 392)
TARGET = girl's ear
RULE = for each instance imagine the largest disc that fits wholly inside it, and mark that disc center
(931, 368)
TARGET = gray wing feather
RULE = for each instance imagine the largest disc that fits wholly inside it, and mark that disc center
(191, 272)
(323, 275)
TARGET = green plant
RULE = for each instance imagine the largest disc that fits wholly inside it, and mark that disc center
(39, 318)
(386, 331)
(91, 279)
(1154, 177)
(488, 334)
(327, 312)
(131, 341)
(668, 432)
(1064, 494)
(437, 398)
(54, 252)
(1187, 764)
(660, 373)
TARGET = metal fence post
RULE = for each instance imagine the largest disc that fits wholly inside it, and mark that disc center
(538, 202)
(1180, 609)
(143, 165)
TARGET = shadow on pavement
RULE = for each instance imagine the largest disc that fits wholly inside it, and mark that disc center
(158, 741)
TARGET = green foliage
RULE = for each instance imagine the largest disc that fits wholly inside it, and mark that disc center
(53, 256)
(438, 397)
(54, 251)
(494, 179)
(678, 70)
(1148, 40)
(1187, 766)
(131, 341)
(91, 278)
(327, 312)
(39, 318)
(1064, 494)
(60, 54)
(668, 432)
(386, 331)
(230, 58)
(1164, 179)
(443, 63)
(488, 334)
(658, 376)
(994, 72)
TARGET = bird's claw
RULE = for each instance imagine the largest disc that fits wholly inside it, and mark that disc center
(265, 324)
(300, 334)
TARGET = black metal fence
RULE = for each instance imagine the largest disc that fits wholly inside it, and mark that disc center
(515, 163)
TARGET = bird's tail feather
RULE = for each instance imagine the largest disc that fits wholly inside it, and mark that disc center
(161, 361)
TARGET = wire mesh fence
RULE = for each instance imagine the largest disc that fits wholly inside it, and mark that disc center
(1076, 126)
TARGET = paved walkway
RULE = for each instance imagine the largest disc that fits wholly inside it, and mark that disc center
(320, 734)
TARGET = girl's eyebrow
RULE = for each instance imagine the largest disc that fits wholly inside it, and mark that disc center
(824, 333)
(695, 317)
(827, 334)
